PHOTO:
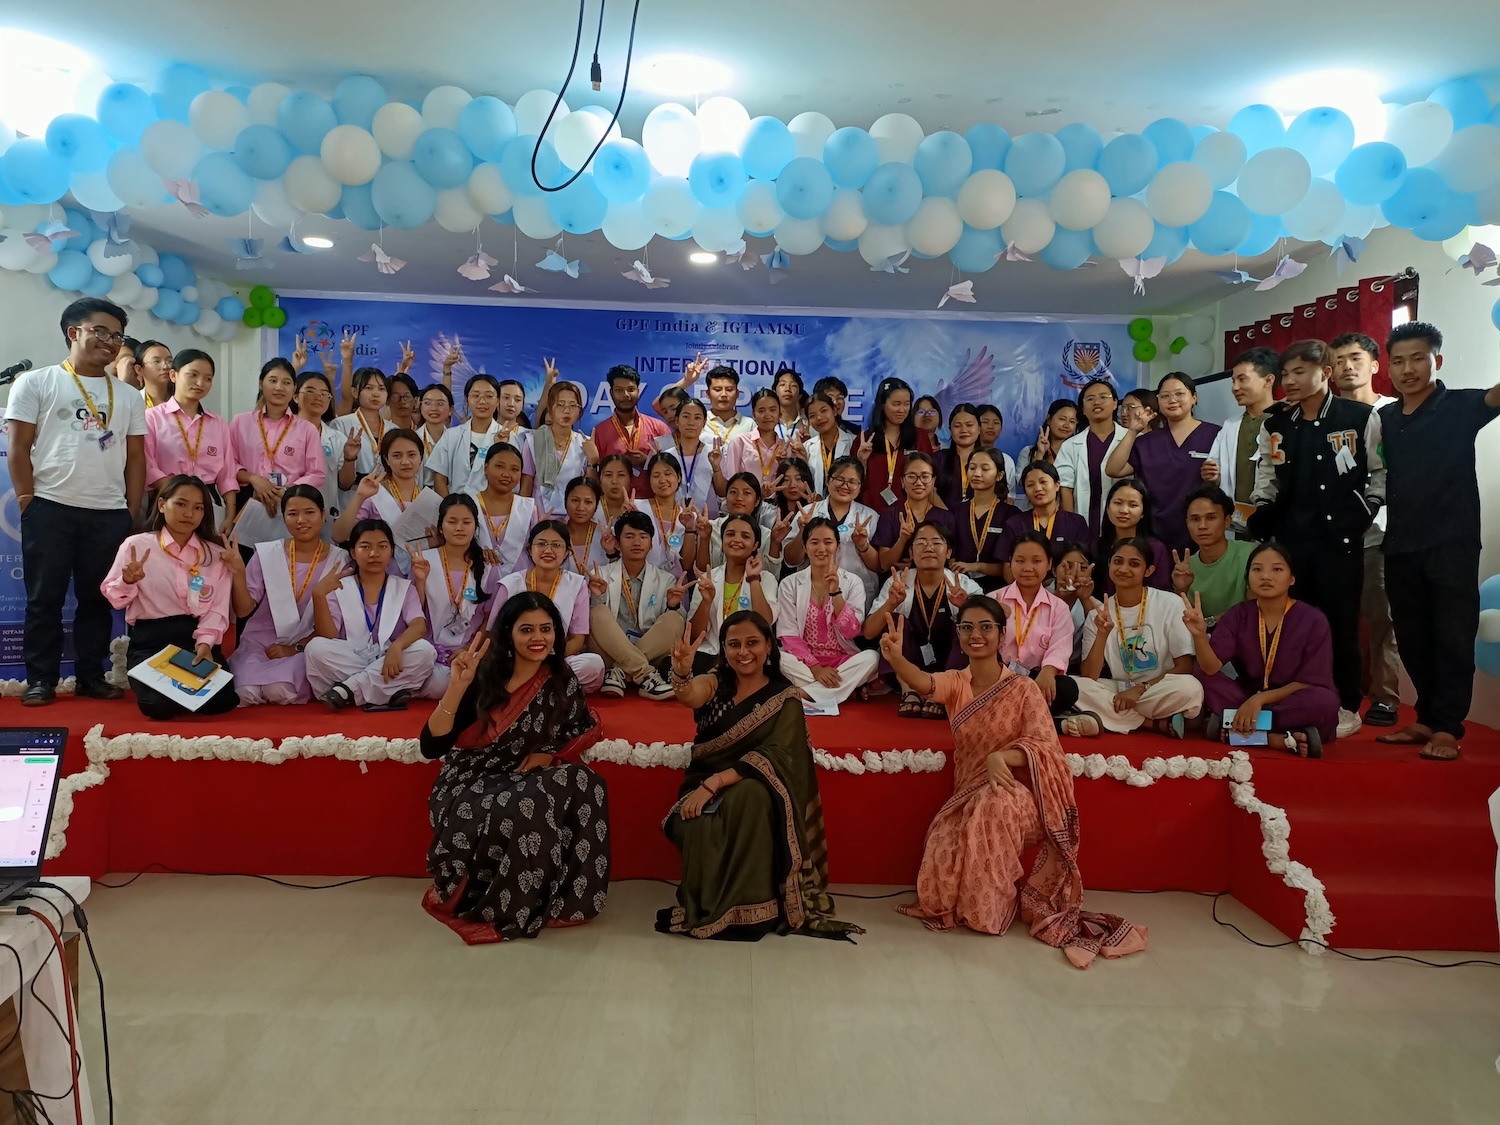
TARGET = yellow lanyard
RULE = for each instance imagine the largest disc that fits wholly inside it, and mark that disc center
(664, 524)
(635, 613)
(192, 450)
(1036, 524)
(963, 475)
(531, 584)
(588, 545)
(149, 403)
(102, 419)
(500, 534)
(374, 437)
(628, 434)
(765, 464)
(453, 595)
(166, 542)
(974, 527)
(265, 441)
(427, 441)
(890, 464)
(416, 489)
(937, 603)
(562, 454)
(827, 459)
(731, 594)
(1268, 657)
(291, 568)
(1126, 657)
(1024, 631)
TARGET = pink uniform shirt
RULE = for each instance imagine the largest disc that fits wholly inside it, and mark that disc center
(166, 589)
(292, 447)
(207, 452)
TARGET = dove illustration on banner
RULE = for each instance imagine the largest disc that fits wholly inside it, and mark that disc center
(510, 285)
(384, 263)
(247, 253)
(186, 193)
(554, 262)
(477, 266)
(1140, 270)
(963, 291)
(639, 272)
(1234, 277)
(896, 263)
(48, 234)
(1285, 270)
(1011, 254)
(1479, 258)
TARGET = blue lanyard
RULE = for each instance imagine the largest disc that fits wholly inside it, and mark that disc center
(784, 431)
(689, 467)
(372, 622)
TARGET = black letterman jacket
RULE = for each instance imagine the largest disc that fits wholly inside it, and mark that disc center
(1293, 444)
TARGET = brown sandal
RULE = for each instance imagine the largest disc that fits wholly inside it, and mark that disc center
(1447, 750)
(911, 706)
(932, 709)
(1085, 724)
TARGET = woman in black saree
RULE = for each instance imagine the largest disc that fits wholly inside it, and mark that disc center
(520, 827)
(754, 855)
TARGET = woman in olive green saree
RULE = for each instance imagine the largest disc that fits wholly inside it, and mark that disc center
(748, 818)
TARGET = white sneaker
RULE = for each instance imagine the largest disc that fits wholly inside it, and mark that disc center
(654, 687)
(614, 684)
(1349, 723)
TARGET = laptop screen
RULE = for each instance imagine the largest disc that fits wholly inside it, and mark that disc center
(30, 762)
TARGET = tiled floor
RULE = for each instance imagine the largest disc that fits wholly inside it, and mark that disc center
(236, 1001)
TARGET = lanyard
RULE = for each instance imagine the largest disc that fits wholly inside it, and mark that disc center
(1037, 526)
(88, 399)
(765, 465)
(974, 526)
(721, 429)
(588, 546)
(166, 545)
(1268, 657)
(492, 429)
(963, 473)
(500, 534)
(531, 584)
(427, 441)
(731, 595)
(784, 430)
(149, 401)
(265, 441)
(688, 467)
(416, 489)
(453, 595)
(371, 623)
(562, 454)
(1127, 657)
(1024, 631)
(890, 464)
(635, 613)
(628, 434)
(291, 568)
(661, 523)
(827, 451)
(197, 443)
(930, 616)
(365, 426)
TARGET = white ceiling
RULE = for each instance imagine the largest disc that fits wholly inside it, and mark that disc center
(949, 63)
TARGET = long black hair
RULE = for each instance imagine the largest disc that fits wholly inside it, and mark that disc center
(883, 392)
(1107, 529)
(803, 469)
(474, 554)
(727, 677)
(205, 529)
(499, 663)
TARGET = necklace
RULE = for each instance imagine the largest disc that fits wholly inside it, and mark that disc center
(291, 566)
(1268, 657)
(1127, 655)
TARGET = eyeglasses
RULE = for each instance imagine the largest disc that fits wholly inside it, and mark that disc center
(924, 541)
(927, 413)
(844, 482)
(1171, 396)
(986, 628)
(310, 392)
(102, 334)
(548, 545)
(918, 478)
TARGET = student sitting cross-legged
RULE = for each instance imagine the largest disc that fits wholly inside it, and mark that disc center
(633, 618)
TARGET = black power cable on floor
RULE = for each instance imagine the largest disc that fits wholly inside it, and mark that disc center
(162, 867)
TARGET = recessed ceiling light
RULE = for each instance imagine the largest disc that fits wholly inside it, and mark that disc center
(1356, 92)
(39, 79)
(317, 242)
(684, 74)
(703, 258)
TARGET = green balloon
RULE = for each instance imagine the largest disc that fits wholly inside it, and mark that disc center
(1144, 350)
(275, 316)
(261, 297)
(1178, 344)
(1140, 327)
(254, 317)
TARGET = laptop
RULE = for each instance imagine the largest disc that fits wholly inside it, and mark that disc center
(30, 769)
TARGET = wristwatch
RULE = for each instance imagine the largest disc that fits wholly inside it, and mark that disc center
(299, 647)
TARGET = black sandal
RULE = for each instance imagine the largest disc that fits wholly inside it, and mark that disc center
(911, 706)
(338, 697)
(932, 709)
(1213, 729)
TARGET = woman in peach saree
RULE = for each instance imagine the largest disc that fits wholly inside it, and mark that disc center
(1011, 790)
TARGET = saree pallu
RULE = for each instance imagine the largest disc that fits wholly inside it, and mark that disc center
(514, 852)
(971, 863)
(759, 864)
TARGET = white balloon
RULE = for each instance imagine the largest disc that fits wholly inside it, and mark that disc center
(109, 267)
(309, 186)
(42, 262)
(1179, 194)
(1221, 155)
(986, 199)
(810, 132)
(718, 229)
(15, 254)
(456, 212)
(26, 216)
(1471, 160)
(897, 136)
(1195, 360)
(1420, 130)
(1274, 181)
(396, 128)
(488, 190)
(272, 206)
(264, 101)
(189, 292)
(533, 218)
(171, 149)
(1489, 626)
(935, 228)
(845, 218)
(1030, 226)
(532, 110)
(671, 139)
(442, 106)
(880, 242)
(1080, 200)
(670, 205)
(227, 331)
(217, 118)
(93, 192)
(1126, 229)
(722, 123)
(799, 236)
(1320, 215)
(1460, 244)
(351, 154)
(1360, 220)
(758, 208)
(208, 322)
(147, 300)
(626, 226)
(1196, 329)
(209, 292)
(144, 255)
(575, 137)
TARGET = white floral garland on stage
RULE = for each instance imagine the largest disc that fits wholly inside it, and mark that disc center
(115, 675)
(1235, 768)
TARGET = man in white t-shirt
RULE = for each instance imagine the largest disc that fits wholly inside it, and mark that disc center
(78, 467)
(1356, 358)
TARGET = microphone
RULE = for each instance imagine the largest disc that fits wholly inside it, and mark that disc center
(9, 374)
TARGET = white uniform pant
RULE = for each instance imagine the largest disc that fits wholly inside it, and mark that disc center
(859, 669)
(282, 694)
(1167, 697)
(332, 662)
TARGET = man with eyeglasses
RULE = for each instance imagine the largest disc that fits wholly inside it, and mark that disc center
(78, 465)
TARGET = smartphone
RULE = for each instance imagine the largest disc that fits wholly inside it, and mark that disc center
(713, 805)
(1257, 737)
(189, 662)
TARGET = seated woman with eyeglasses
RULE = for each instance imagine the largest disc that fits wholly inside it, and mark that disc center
(898, 523)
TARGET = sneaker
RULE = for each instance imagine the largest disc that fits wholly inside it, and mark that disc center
(654, 687)
(38, 695)
(1380, 715)
(1349, 724)
(614, 683)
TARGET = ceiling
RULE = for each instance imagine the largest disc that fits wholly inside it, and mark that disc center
(948, 63)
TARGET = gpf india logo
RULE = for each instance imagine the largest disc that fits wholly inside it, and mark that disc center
(318, 335)
(1084, 360)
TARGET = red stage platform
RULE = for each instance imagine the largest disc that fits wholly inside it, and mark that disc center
(1403, 846)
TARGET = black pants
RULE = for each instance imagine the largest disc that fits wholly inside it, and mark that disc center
(149, 636)
(1334, 580)
(59, 545)
(1067, 692)
(1434, 596)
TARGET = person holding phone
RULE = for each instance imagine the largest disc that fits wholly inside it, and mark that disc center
(173, 581)
(1281, 651)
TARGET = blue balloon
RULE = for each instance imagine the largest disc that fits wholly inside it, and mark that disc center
(179, 84)
(305, 120)
(943, 162)
(580, 207)
(1035, 163)
(125, 111)
(223, 186)
(851, 155)
(1465, 99)
(767, 148)
(516, 161)
(34, 172)
(1324, 135)
(79, 142)
(842, 246)
(1454, 211)
(1127, 164)
(189, 314)
(175, 271)
(1421, 196)
(990, 145)
(717, 179)
(805, 189)
(262, 152)
(1265, 232)
(1487, 653)
(892, 195)
(356, 98)
(975, 250)
(239, 93)
(486, 124)
(1172, 139)
(1371, 174)
(150, 275)
(1260, 127)
(1495, 315)
(336, 211)
(72, 271)
(1082, 145)
(97, 285)
(1223, 226)
(80, 222)
(1069, 249)
(1201, 131)
(505, 218)
(402, 198)
(622, 170)
(1170, 243)
(168, 303)
(442, 159)
(230, 308)
(359, 207)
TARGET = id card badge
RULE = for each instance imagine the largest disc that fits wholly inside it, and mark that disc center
(1344, 462)
(929, 654)
(1018, 668)
(471, 595)
(675, 541)
(887, 495)
(633, 635)
(1122, 686)
(106, 439)
(744, 601)
(278, 480)
(1198, 456)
